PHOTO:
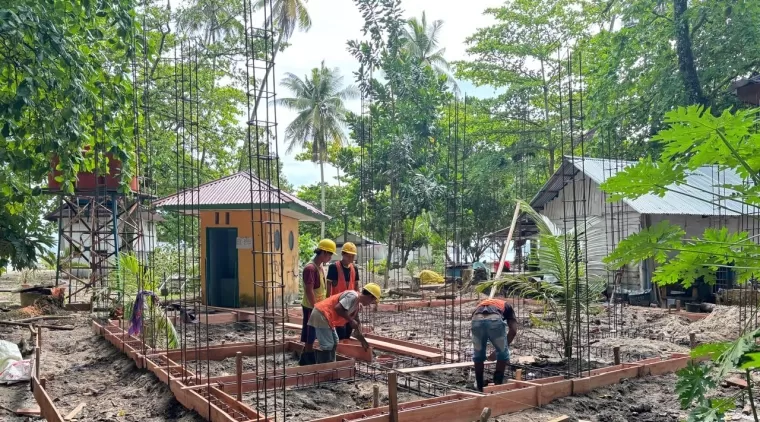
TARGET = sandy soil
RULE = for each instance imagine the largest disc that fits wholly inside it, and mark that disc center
(81, 367)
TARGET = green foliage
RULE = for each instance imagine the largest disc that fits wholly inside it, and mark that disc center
(694, 139)
(307, 243)
(693, 383)
(131, 278)
(567, 287)
(696, 381)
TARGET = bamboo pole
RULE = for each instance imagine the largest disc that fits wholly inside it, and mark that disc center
(504, 250)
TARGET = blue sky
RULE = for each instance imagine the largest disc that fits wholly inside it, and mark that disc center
(337, 21)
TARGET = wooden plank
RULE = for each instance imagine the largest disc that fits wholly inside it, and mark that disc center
(355, 351)
(405, 350)
(504, 250)
(383, 410)
(292, 376)
(71, 415)
(33, 411)
(563, 418)
(442, 366)
(404, 343)
(47, 409)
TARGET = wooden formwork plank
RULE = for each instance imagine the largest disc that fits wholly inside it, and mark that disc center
(404, 343)
(221, 352)
(604, 377)
(442, 366)
(359, 414)
(47, 409)
(346, 367)
(406, 350)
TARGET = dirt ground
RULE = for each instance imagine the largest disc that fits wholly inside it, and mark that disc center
(82, 367)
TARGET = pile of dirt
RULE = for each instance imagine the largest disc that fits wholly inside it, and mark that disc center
(639, 349)
(723, 324)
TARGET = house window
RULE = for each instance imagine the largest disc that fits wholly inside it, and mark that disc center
(227, 218)
(216, 218)
(291, 240)
(277, 240)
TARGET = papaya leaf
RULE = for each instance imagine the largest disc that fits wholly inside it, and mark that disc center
(712, 411)
(693, 383)
(714, 350)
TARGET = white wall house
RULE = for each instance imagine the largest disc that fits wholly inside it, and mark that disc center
(573, 194)
(136, 232)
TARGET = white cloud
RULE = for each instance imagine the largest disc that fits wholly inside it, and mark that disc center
(334, 22)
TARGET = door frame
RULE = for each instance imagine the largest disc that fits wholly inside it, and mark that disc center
(237, 265)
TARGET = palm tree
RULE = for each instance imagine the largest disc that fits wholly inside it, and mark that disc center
(318, 99)
(420, 42)
(568, 288)
(286, 16)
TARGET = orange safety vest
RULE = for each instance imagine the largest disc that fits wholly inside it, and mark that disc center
(499, 304)
(327, 308)
(342, 285)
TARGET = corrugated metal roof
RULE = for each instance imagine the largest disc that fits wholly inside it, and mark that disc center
(238, 189)
(699, 196)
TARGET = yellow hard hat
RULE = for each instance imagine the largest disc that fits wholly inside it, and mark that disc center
(374, 289)
(327, 245)
(349, 247)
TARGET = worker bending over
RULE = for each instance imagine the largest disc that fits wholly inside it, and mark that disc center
(343, 276)
(314, 291)
(337, 311)
(488, 323)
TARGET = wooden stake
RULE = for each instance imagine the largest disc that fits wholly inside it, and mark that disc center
(392, 397)
(504, 250)
(518, 374)
(74, 412)
(37, 362)
(678, 305)
(692, 339)
(375, 396)
(239, 369)
(485, 414)
(39, 336)
(616, 354)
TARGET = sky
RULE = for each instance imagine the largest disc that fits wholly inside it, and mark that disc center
(334, 22)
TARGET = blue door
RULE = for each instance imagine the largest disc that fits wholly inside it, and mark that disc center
(222, 267)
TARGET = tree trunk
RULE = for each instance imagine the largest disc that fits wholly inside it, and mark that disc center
(389, 257)
(549, 142)
(322, 188)
(686, 66)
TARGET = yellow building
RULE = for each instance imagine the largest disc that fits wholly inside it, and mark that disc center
(248, 239)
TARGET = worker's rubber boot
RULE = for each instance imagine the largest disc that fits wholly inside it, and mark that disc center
(307, 358)
(498, 377)
(479, 381)
(323, 356)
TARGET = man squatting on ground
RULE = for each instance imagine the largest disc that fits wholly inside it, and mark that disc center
(488, 323)
(314, 291)
(336, 311)
(343, 276)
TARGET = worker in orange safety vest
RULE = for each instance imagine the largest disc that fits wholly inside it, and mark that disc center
(489, 322)
(342, 276)
(336, 311)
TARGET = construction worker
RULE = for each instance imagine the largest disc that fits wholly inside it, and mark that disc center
(336, 311)
(342, 276)
(314, 291)
(488, 324)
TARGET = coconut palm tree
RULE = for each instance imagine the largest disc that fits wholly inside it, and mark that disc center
(421, 42)
(568, 288)
(319, 100)
(285, 16)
